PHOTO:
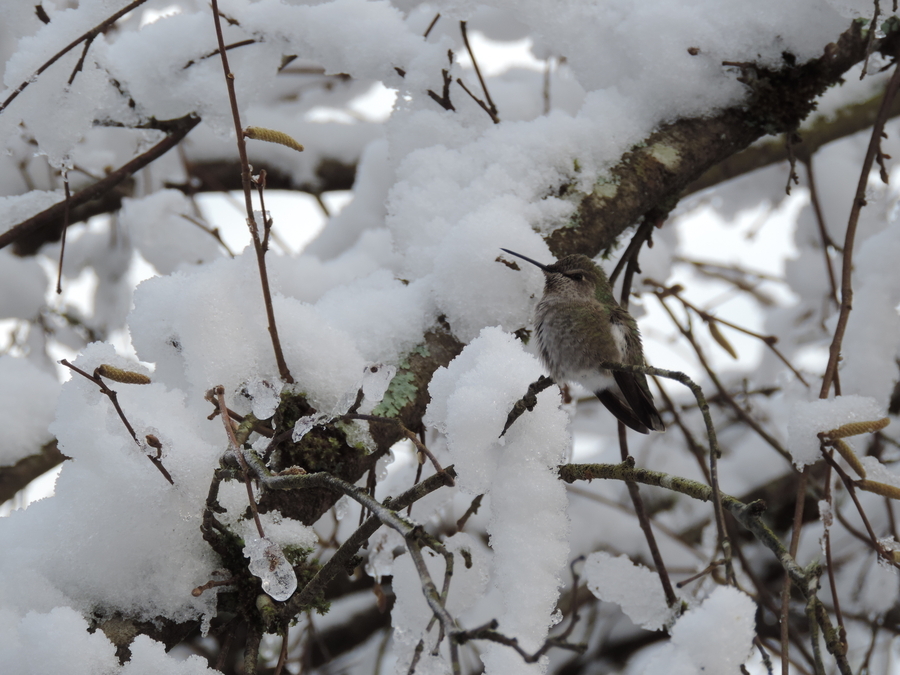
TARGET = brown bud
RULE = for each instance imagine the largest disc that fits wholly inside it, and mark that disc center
(272, 136)
(718, 337)
(856, 428)
(119, 375)
(883, 489)
(850, 457)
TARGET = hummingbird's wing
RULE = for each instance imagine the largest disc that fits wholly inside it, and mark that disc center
(634, 386)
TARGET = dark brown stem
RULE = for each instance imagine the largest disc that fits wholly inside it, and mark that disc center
(248, 201)
(635, 493)
(491, 108)
(80, 64)
(90, 35)
(215, 52)
(65, 228)
(633, 489)
(823, 231)
(859, 201)
(431, 25)
(267, 222)
(482, 104)
(444, 99)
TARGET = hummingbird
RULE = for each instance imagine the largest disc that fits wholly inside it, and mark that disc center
(579, 324)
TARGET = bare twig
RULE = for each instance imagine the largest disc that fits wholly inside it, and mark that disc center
(219, 399)
(248, 202)
(490, 108)
(177, 130)
(786, 588)
(431, 25)
(859, 201)
(65, 228)
(90, 35)
(823, 231)
(114, 397)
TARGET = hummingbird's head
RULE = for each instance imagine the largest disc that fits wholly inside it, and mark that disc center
(575, 275)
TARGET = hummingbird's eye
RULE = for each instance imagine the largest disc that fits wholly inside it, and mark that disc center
(576, 276)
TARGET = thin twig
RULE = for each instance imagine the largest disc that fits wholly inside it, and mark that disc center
(768, 340)
(431, 25)
(482, 104)
(786, 588)
(490, 108)
(420, 446)
(633, 489)
(177, 130)
(62, 237)
(741, 413)
(114, 397)
(829, 561)
(215, 52)
(236, 447)
(823, 231)
(859, 201)
(246, 177)
(90, 35)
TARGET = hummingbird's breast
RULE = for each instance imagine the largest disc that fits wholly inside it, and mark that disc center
(573, 337)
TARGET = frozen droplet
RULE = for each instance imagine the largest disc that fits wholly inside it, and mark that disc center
(304, 424)
(555, 618)
(267, 562)
(341, 507)
(343, 405)
(384, 546)
(263, 396)
(381, 466)
(376, 380)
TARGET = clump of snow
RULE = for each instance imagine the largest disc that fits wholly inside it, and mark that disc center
(528, 529)
(28, 279)
(165, 238)
(27, 395)
(716, 637)
(809, 418)
(873, 331)
(636, 589)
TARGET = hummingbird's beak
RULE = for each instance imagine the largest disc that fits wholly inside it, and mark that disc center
(519, 255)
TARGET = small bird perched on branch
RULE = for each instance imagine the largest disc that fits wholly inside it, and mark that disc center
(579, 325)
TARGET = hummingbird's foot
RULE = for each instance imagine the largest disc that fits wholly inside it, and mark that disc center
(527, 402)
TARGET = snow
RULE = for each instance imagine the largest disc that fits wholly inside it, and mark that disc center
(417, 248)
(27, 395)
(727, 614)
(809, 418)
(636, 589)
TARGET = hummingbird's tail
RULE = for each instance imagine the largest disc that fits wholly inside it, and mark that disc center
(638, 397)
(621, 411)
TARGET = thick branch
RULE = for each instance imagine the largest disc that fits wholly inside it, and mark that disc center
(14, 478)
(29, 235)
(651, 178)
